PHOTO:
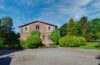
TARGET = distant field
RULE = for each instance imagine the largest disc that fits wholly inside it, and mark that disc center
(91, 45)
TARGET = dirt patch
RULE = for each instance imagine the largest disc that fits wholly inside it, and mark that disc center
(23, 58)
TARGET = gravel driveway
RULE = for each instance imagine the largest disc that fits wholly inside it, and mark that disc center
(50, 56)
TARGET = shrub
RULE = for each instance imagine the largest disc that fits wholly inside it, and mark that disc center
(32, 41)
(63, 42)
(54, 37)
(73, 41)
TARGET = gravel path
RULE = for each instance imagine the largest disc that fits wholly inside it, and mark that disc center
(51, 56)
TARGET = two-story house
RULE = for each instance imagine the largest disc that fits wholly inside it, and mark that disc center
(44, 28)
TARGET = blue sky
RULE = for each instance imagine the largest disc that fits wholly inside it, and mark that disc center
(56, 12)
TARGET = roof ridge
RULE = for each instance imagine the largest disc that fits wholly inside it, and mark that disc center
(37, 21)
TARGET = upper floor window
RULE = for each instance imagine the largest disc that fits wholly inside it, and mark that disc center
(26, 29)
(37, 27)
(48, 27)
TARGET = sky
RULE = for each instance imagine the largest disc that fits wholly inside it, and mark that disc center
(55, 12)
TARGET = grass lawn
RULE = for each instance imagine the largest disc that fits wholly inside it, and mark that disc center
(90, 45)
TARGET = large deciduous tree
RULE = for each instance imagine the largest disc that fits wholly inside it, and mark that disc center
(2, 39)
(63, 30)
(10, 36)
(83, 24)
(71, 27)
(94, 28)
(7, 24)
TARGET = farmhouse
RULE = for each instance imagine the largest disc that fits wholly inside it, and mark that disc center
(44, 28)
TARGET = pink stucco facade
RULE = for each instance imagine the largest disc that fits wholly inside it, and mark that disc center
(45, 30)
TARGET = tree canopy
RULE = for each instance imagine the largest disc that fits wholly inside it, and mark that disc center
(88, 29)
(6, 23)
(8, 36)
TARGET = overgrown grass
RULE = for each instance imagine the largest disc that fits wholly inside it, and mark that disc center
(90, 45)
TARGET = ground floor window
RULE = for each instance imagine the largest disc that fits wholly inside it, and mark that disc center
(43, 36)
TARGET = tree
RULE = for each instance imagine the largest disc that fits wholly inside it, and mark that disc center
(6, 23)
(11, 38)
(32, 41)
(95, 23)
(83, 24)
(1, 38)
(98, 35)
(94, 28)
(55, 36)
(63, 30)
(71, 27)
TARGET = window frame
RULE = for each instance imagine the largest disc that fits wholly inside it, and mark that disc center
(26, 29)
(49, 28)
(43, 37)
(37, 27)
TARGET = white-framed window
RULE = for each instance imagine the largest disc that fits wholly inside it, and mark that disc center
(48, 28)
(26, 29)
(37, 27)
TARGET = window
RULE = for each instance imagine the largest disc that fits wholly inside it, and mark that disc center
(26, 29)
(43, 36)
(37, 27)
(49, 37)
(48, 27)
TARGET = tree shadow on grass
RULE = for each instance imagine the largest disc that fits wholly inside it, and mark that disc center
(5, 60)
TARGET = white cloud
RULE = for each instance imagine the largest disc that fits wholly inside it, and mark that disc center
(93, 9)
(65, 9)
(60, 8)
(57, 10)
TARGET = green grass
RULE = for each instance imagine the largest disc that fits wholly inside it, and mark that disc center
(90, 45)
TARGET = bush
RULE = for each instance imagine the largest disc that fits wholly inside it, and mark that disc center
(54, 37)
(63, 42)
(73, 41)
(33, 41)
